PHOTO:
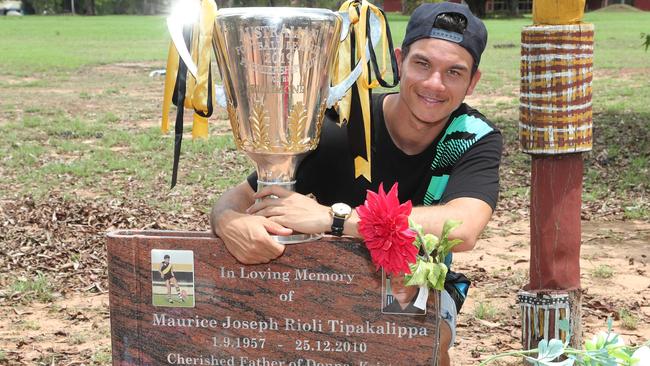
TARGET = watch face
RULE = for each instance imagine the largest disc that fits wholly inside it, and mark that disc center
(341, 209)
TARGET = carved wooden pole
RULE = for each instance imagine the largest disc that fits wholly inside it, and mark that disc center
(555, 128)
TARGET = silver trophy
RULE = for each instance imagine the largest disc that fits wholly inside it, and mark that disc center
(276, 64)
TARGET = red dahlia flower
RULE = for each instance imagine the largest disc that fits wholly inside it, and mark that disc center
(384, 226)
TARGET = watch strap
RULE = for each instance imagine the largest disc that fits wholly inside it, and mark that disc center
(337, 225)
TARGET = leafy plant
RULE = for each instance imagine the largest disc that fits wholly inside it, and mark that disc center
(37, 288)
(102, 357)
(430, 268)
(485, 311)
(604, 349)
(603, 271)
(628, 320)
(77, 339)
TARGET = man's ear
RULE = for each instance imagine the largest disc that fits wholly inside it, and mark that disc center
(472, 83)
(398, 58)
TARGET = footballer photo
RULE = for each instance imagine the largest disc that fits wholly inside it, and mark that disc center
(172, 278)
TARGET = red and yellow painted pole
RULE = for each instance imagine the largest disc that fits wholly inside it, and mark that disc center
(555, 127)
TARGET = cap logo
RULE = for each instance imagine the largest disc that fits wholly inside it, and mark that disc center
(446, 35)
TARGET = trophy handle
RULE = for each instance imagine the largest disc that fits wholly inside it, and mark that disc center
(337, 92)
(175, 26)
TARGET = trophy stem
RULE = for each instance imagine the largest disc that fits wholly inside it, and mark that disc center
(296, 237)
(291, 185)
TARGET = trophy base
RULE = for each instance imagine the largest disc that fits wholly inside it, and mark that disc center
(296, 238)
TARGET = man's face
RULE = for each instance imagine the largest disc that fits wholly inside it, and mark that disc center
(435, 77)
(403, 294)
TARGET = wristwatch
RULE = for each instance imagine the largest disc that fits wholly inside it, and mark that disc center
(340, 213)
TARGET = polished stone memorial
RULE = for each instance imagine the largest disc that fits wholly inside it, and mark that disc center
(179, 298)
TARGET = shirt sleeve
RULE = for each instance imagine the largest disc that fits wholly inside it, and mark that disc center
(476, 175)
(252, 180)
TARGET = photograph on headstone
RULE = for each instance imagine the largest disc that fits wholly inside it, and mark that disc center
(172, 278)
(397, 298)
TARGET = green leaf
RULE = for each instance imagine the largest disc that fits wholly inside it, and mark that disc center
(619, 353)
(448, 227)
(590, 346)
(548, 351)
(419, 274)
(430, 243)
(445, 247)
(415, 226)
(437, 276)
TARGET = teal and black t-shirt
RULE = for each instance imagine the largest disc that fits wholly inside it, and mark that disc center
(462, 162)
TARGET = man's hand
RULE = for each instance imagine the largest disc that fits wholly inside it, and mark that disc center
(291, 210)
(248, 238)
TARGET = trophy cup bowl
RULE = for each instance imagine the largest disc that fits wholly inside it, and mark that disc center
(275, 64)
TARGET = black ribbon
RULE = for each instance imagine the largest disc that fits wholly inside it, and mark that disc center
(356, 131)
(391, 53)
(179, 100)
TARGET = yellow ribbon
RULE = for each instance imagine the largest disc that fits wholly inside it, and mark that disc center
(359, 18)
(197, 92)
(170, 81)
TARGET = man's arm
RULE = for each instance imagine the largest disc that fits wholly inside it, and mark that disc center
(474, 214)
(246, 237)
(303, 214)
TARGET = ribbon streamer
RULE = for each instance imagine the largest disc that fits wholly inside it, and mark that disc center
(198, 91)
(184, 89)
(356, 103)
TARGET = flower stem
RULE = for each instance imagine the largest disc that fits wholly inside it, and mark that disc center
(421, 240)
(508, 354)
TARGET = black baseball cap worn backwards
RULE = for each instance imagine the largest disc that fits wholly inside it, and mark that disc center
(421, 25)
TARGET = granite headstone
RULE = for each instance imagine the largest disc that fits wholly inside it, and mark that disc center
(179, 298)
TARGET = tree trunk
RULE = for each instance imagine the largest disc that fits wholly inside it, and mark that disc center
(513, 7)
(409, 5)
(89, 8)
(477, 7)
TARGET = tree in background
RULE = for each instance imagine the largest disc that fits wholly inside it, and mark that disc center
(409, 5)
(513, 7)
(477, 7)
(93, 7)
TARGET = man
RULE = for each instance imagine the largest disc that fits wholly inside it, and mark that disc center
(167, 273)
(400, 299)
(444, 155)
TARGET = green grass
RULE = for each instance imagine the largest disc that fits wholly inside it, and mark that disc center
(102, 357)
(28, 325)
(35, 44)
(603, 271)
(485, 311)
(628, 320)
(77, 339)
(36, 288)
(616, 34)
(161, 300)
(86, 148)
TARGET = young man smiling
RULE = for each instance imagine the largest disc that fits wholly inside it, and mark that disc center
(444, 155)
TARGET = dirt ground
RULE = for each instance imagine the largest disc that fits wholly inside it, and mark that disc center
(76, 327)
(73, 328)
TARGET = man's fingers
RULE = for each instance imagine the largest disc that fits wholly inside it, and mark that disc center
(276, 229)
(274, 190)
(262, 204)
